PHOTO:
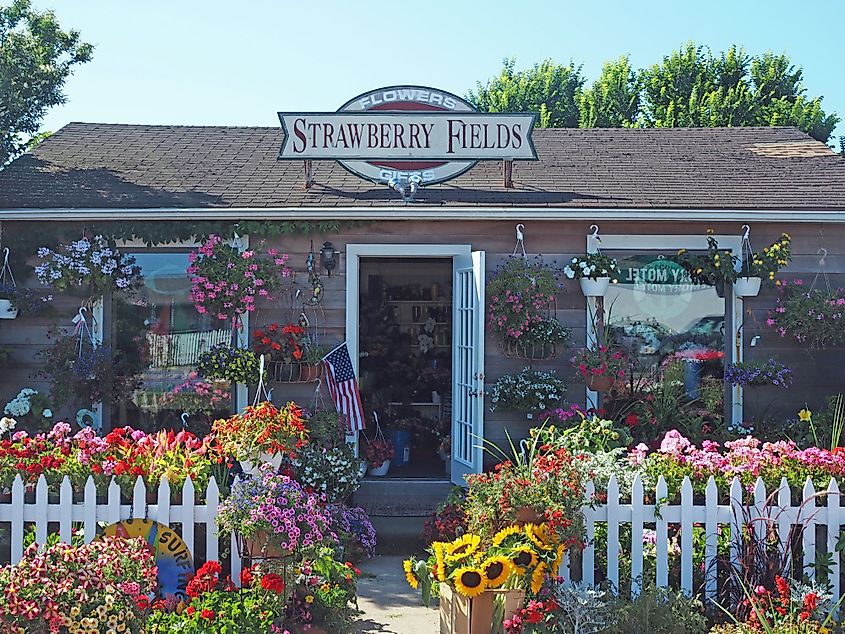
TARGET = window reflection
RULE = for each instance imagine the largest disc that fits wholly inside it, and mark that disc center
(163, 335)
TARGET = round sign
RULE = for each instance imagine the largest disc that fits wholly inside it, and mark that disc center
(407, 99)
(174, 561)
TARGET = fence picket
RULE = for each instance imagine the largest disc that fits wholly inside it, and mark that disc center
(17, 519)
(711, 538)
(736, 521)
(784, 518)
(636, 536)
(188, 516)
(686, 536)
(759, 518)
(807, 520)
(139, 499)
(89, 511)
(41, 510)
(163, 506)
(613, 533)
(833, 524)
(661, 537)
(212, 500)
(113, 508)
(588, 559)
(65, 510)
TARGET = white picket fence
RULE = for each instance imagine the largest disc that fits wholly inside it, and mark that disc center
(89, 513)
(767, 518)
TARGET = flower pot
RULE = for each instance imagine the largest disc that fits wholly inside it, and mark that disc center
(462, 615)
(594, 288)
(380, 470)
(309, 372)
(251, 468)
(599, 382)
(263, 545)
(747, 286)
(528, 515)
(720, 288)
(7, 311)
(362, 468)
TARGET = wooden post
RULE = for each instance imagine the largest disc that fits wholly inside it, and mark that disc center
(507, 174)
(309, 174)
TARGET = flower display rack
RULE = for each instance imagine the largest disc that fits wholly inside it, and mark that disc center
(279, 372)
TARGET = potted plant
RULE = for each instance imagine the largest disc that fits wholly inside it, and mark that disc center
(195, 395)
(811, 317)
(529, 391)
(520, 300)
(262, 433)
(329, 471)
(378, 454)
(757, 373)
(274, 516)
(30, 408)
(292, 356)
(601, 366)
(15, 300)
(226, 363)
(227, 282)
(593, 272)
(92, 266)
(755, 268)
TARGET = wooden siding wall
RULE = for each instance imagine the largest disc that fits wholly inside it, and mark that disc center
(817, 374)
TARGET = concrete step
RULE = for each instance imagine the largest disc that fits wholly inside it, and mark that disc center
(401, 497)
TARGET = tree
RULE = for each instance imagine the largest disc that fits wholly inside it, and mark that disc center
(547, 88)
(36, 57)
(613, 101)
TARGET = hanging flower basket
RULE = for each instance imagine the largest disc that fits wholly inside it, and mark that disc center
(600, 383)
(594, 287)
(293, 372)
(533, 351)
(381, 470)
(251, 468)
(747, 286)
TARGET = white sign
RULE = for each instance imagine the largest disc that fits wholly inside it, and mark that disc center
(407, 136)
(401, 131)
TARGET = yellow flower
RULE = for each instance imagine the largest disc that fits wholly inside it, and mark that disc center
(409, 574)
(496, 570)
(558, 558)
(709, 231)
(805, 415)
(309, 599)
(462, 547)
(74, 611)
(503, 534)
(325, 587)
(536, 536)
(537, 577)
(523, 558)
(469, 582)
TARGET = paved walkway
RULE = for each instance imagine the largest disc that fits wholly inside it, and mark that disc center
(388, 604)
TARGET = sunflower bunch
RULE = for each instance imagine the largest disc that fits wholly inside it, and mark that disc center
(518, 556)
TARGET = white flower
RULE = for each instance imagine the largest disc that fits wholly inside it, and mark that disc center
(7, 424)
(47, 413)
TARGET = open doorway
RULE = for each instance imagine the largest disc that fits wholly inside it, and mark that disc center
(405, 348)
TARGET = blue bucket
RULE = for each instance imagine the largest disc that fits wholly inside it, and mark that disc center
(401, 440)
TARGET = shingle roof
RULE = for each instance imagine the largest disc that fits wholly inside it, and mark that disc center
(92, 165)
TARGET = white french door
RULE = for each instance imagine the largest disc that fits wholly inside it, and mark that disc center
(468, 365)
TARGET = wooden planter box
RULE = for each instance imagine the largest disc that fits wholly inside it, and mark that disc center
(461, 615)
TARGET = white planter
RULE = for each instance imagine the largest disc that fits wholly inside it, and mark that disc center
(747, 286)
(251, 468)
(381, 470)
(594, 288)
(7, 311)
(362, 468)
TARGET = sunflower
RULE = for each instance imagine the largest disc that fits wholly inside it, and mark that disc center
(538, 576)
(503, 534)
(496, 570)
(539, 535)
(439, 549)
(409, 574)
(558, 557)
(462, 547)
(469, 581)
(523, 558)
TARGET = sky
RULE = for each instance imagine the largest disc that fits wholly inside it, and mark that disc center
(239, 63)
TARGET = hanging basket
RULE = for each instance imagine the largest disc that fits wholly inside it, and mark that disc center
(536, 351)
(251, 468)
(747, 286)
(381, 470)
(599, 383)
(293, 372)
(7, 311)
(594, 288)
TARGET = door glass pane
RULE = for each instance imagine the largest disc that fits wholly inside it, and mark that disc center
(673, 331)
(162, 335)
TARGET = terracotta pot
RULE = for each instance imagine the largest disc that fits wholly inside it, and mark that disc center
(600, 382)
(263, 546)
(462, 615)
(310, 372)
(528, 515)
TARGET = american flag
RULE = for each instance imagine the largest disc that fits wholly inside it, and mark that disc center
(340, 377)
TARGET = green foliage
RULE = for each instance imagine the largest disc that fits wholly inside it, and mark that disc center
(548, 88)
(659, 611)
(690, 87)
(36, 57)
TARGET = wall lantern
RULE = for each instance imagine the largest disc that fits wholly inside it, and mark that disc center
(328, 257)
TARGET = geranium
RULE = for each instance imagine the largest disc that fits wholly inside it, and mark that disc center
(226, 282)
(262, 428)
(278, 507)
(811, 317)
(378, 452)
(228, 363)
(602, 360)
(591, 266)
(530, 391)
(195, 395)
(88, 263)
(768, 372)
(280, 343)
(80, 588)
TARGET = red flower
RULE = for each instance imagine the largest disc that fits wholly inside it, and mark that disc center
(142, 602)
(632, 420)
(207, 614)
(190, 611)
(246, 577)
(273, 583)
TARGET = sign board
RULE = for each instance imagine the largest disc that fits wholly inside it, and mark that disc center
(402, 131)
